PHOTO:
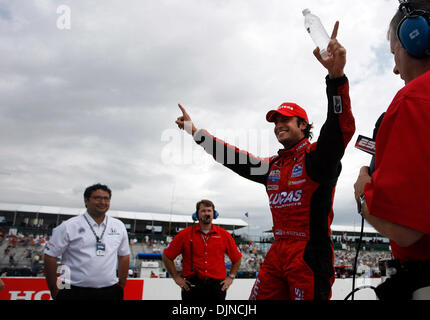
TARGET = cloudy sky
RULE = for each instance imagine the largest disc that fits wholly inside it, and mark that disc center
(89, 92)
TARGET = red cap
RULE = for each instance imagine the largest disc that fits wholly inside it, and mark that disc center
(287, 109)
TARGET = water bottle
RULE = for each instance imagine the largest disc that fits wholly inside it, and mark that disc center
(317, 32)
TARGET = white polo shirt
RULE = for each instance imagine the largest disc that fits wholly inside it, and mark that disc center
(75, 242)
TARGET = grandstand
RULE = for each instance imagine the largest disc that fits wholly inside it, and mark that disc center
(27, 227)
(44, 218)
(24, 229)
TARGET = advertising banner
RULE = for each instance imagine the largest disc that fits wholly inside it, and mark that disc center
(36, 289)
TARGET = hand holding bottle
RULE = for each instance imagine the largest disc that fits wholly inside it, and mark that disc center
(316, 30)
(336, 60)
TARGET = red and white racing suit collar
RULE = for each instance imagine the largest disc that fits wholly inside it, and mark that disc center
(302, 144)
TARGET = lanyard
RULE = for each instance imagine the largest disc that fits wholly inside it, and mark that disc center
(205, 237)
(99, 240)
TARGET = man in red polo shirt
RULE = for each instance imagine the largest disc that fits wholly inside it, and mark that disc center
(203, 247)
(394, 199)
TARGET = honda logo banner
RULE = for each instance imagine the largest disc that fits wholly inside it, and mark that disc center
(37, 289)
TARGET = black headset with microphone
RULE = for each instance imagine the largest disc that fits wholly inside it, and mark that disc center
(195, 215)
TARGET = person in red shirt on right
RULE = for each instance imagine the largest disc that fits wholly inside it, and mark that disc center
(394, 199)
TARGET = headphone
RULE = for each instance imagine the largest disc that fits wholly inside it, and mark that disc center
(195, 215)
(413, 30)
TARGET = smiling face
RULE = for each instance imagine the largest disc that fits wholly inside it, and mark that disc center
(98, 203)
(288, 131)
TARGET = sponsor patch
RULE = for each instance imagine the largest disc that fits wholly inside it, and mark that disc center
(300, 294)
(288, 233)
(272, 187)
(297, 171)
(113, 232)
(293, 182)
(304, 144)
(275, 175)
(337, 104)
(285, 197)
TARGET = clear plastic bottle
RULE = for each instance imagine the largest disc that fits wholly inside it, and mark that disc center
(317, 32)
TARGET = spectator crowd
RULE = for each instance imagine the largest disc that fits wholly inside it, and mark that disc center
(25, 252)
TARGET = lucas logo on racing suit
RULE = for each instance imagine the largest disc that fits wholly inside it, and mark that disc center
(285, 198)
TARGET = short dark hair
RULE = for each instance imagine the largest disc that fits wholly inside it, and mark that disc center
(399, 15)
(88, 191)
(206, 203)
(308, 130)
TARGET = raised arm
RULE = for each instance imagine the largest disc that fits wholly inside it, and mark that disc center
(240, 161)
(339, 126)
(337, 56)
(184, 122)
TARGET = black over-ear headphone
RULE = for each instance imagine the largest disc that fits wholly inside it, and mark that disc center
(413, 30)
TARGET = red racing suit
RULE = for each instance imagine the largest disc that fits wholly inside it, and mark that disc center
(300, 183)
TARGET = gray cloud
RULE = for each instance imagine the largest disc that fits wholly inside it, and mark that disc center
(93, 103)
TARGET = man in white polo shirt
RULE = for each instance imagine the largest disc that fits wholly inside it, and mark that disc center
(91, 245)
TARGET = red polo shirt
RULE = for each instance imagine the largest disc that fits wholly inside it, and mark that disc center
(208, 251)
(399, 190)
